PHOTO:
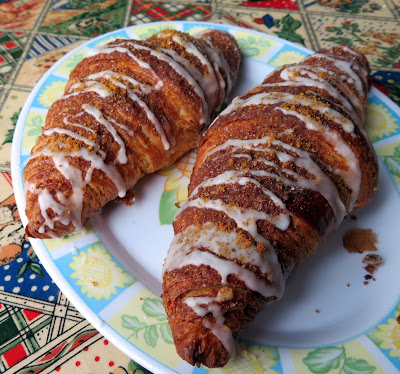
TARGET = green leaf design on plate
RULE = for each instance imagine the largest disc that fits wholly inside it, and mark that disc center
(151, 335)
(154, 308)
(251, 39)
(393, 164)
(166, 333)
(354, 366)
(132, 323)
(322, 360)
(250, 45)
(397, 152)
(250, 52)
(35, 127)
(74, 60)
(168, 208)
(274, 353)
(148, 32)
(372, 335)
(129, 279)
(135, 368)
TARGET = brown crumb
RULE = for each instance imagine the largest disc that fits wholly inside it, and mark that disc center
(95, 284)
(366, 283)
(372, 259)
(360, 240)
(370, 269)
(317, 311)
(261, 247)
(348, 284)
(177, 205)
(368, 277)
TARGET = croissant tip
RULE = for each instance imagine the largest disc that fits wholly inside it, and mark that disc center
(33, 233)
(197, 352)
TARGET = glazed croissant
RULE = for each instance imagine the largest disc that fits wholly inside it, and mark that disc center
(129, 109)
(275, 174)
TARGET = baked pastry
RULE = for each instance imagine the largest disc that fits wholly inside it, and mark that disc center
(275, 173)
(130, 108)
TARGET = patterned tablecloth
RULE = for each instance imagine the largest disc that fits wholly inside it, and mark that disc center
(40, 331)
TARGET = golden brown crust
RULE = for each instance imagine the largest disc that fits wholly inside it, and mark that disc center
(295, 118)
(131, 109)
(195, 343)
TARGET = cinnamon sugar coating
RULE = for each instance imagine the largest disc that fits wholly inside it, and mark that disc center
(275, 174)
(128, 109)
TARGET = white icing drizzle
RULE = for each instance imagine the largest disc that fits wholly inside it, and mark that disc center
(245, 155)
(219, 60)
(46, 201)
(104, 91)
(108, 74)
(237, 176)
(266, 98)
(245, 218)
(29, 187)
(65, 120)
(71, 134)
(350, 50)
(70, 210)
(143, 88)
(98, 115)
(291, 73)
(352, 176)
(321, 183)
(196, 74)
(108, 49)
(174, 65)
(344, 66)
(204, 305)
(219, 63)
(302, 81)
(120, 125)
(150, 115)
(185, 250)
(209, 82)
(89, 86)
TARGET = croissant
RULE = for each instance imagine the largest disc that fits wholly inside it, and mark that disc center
(275, 174)
(129, 108)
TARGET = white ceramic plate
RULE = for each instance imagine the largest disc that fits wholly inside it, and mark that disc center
(327, 322)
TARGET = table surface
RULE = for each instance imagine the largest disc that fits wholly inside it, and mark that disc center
(38, 324)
